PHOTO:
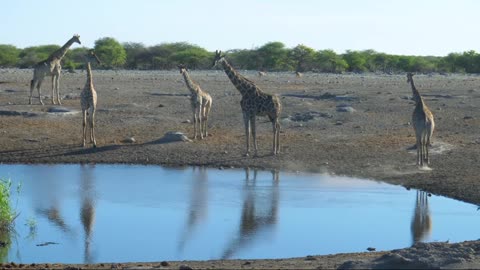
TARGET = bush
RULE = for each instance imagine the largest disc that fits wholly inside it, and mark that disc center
(6, 213)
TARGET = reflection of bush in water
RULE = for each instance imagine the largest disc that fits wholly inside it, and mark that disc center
(6, 212)
(4, 245)
(7, 216)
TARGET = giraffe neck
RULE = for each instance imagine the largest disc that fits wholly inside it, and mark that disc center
(89, 76)
(60, 53)
(238, 80)
(416, 95)
(190, 84)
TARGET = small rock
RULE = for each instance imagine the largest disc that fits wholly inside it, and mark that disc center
(185, 267)
(346, 109)
(338, 123)
(164, 263)
(161, 105)
(129, 140)
(174, 136)
(371, 249)
(467, 117)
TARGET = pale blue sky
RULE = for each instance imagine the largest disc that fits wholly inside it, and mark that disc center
(409, 27)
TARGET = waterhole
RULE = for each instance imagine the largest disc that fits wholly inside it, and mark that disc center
(131, 213)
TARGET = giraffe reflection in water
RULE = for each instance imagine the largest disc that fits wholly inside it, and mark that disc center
(48, 199)
(87, 209)
(197, 211)
(259, 212)
(421, 221)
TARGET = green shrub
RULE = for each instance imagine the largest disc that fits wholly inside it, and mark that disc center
(7, 213)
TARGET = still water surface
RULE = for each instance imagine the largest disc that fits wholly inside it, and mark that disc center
(121, 213)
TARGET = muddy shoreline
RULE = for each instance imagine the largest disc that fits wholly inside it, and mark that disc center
(369, 140)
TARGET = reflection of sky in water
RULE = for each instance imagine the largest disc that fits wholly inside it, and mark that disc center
(118, 213)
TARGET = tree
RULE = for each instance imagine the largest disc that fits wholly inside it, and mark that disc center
(244, 59)
(137, 55)
(302, 57)
(75, 58)
(32, 55)
(329, 61)
(356, 61)
(111, 52)
(273, 56)
(9, 55)
(192, 56)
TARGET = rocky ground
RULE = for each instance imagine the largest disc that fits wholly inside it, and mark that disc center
(352, 124)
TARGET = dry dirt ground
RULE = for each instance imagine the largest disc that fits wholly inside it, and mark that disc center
(351, 124)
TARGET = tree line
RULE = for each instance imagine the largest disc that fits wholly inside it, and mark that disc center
(273, 56)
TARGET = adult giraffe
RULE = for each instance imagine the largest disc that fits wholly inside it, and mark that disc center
(51, 67)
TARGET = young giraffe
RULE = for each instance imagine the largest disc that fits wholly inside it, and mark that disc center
(423, 124)
(88, 100)
(201, 104)
(51, 67)
(254, 102)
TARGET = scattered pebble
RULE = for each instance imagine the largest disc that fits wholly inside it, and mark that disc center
(129, 140)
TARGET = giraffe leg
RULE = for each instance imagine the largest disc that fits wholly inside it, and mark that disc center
(84, 125)
(39, 85)
(200, 124)
(92, 128)
(254, 134)
(194, 124)
(276, 136)
(203, 128)
(32, 86)
(246, 120)
(57, 86)
(53, 89)
(419, 150)
(425, 143)
(207, 112)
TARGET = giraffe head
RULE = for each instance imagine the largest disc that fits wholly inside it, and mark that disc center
(409, 77)
(182, 68)
(76, 38)
(91, 56)
(218, 57)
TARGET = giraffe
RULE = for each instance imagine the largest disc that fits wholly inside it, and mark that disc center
(259, 212)
(88, 100)
(254, 102)
(201, 104)
(51, 67)
(423, 124)
(421, 225)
